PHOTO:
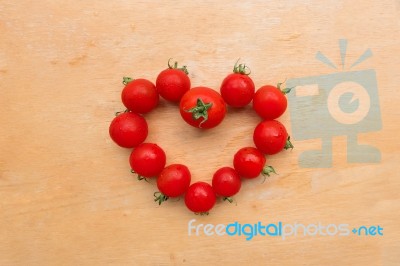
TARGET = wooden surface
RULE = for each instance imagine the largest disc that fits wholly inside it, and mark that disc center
(66, 194)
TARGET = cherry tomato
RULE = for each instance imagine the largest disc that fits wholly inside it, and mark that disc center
(237, 88)
(128, 129)
(226, 182)
(173, 181)
(173, 82)
(139, 95)
(200, 197)
(270, 102)
(202, 107)
(147, 160)
(249, 162)
(271, 137)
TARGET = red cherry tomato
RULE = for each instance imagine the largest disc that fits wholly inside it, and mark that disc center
(270, 137)
(147, 160)
(249, 162)
(226, 182)
(139, 95)
(202, 107)
(128, 129)
(237, 88)
(173, 82)
(173, 181)
(200, 197)
(270, 102)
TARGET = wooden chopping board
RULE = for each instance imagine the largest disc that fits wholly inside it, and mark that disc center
(66, 194)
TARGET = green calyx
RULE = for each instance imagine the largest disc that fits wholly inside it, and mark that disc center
(175, 66)
(121, 112)
(267, 170)
(140, 177)
(200, 111)
(126, 80)
(241, 68)
(285, 90)
(230, 200)
(288, 144)
(160, 197)
(202, 213)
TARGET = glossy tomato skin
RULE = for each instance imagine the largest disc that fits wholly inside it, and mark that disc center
(270, 136)
(269, 102)
(249, 162)
(200, 197)
(237, 89)
(147, 160)
(172, 84)
(226, 182)
(174, 180)
(216, 112)
(140, 96)
(128, 129)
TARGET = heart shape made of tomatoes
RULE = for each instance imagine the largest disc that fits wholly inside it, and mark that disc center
(203, 108)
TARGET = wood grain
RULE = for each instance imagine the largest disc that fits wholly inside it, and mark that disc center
(66, 194)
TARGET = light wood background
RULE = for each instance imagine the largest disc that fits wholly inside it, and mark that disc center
(66, 194)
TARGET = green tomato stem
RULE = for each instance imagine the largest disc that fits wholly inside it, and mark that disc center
(120, 112)
(267, 170)
(160, 197)
(288, 144)
(241, 68)
(285, 90)
(175, 66)
(140, 177)
(126, 80)
(228, 199)
(200, 111)
(202, 213)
